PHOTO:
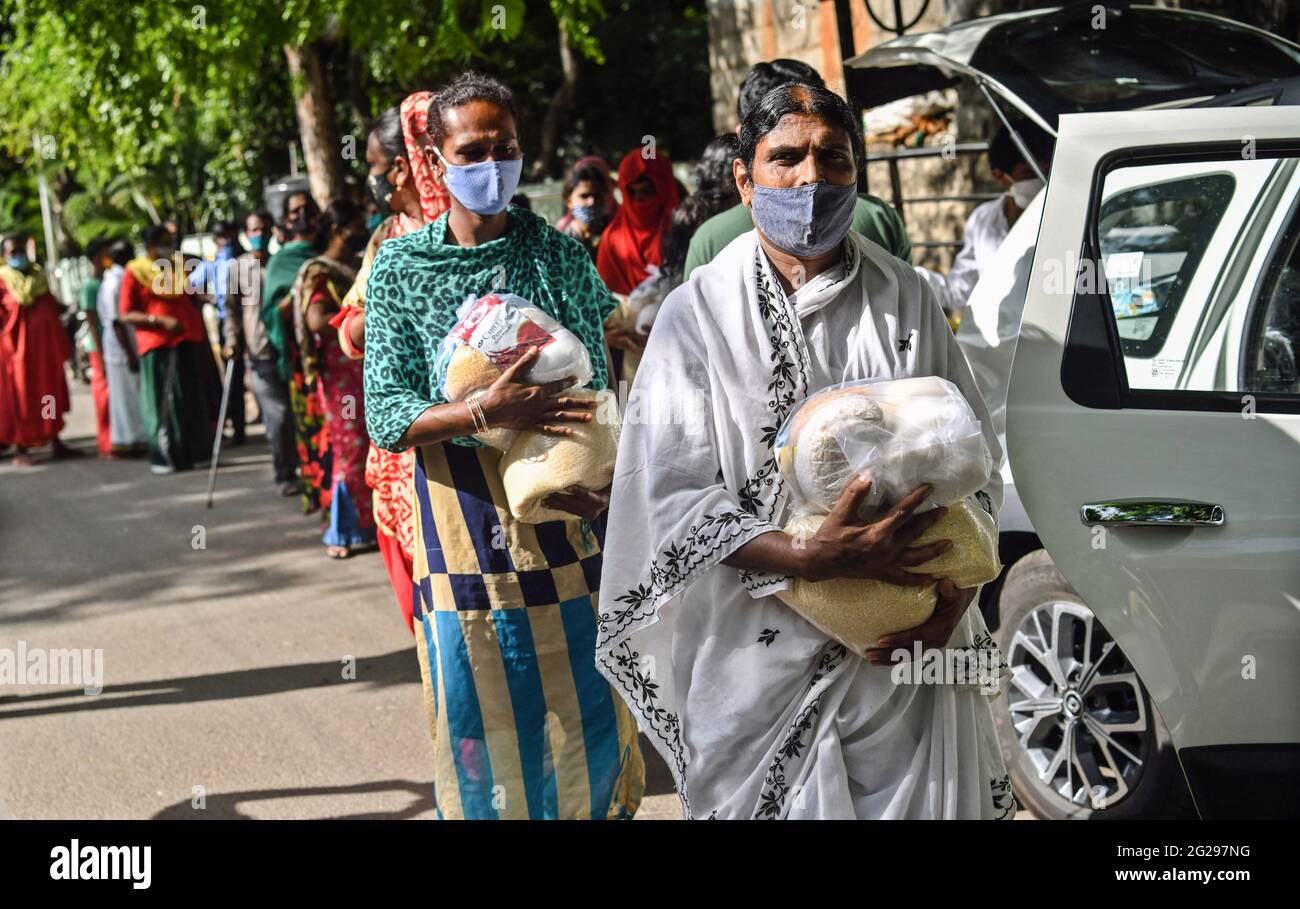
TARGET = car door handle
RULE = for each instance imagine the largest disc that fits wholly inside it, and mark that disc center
(1152, 513)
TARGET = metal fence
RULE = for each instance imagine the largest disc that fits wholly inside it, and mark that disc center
(900, 202)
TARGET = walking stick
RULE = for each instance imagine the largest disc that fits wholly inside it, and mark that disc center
(221, 426)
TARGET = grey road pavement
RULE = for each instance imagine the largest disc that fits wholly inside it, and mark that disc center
(227, 641)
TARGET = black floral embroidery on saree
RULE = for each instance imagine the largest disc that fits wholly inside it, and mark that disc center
(771, 802)
(759, 496)
(1004, 799)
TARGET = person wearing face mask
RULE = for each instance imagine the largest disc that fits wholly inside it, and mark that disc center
(211, 275)
(873, 217)
(505, 611)
(763, 706)
(179, 387)
(244, 334)
(634, 242)
(588, 201)
(406, 189)
(989, 223)
(301, 228)
(634, 239)
(33, 350)
(333, 380)
(87, 295)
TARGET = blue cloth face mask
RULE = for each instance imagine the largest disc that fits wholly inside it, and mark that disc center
(805, 221)
(585, 214)
(485, 188)
(18, 263)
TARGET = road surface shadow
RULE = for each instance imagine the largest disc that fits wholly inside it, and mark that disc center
(658, 778)
(397, 668)
(225, 806)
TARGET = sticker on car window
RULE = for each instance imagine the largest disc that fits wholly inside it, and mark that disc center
(1165, 367)
(1124, 265)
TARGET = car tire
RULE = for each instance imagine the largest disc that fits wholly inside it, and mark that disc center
(1042, 620)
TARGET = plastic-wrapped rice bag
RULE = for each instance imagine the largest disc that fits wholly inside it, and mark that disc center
(857, 612)
(899, 432)
(538, 465)
(490, 334)
(642, 304)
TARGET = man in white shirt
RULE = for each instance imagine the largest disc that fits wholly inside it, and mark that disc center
(988, 224)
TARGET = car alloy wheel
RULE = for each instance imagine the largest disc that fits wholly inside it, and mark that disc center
(1077, 706)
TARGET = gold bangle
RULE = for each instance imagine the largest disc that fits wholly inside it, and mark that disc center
(476, 414)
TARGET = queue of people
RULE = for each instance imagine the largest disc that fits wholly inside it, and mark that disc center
(544, 648)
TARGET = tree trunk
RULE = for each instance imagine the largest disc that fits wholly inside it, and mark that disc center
(359, 99)
(561, 103)
(321, 148)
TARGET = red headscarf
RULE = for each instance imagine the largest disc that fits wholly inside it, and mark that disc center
(434, 198)
(634, 239)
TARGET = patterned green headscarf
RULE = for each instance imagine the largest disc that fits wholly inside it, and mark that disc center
(419, 281)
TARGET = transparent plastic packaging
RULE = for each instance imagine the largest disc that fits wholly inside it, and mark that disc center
(494, 331)
(491, 333)
(538, 465)
(901, 433)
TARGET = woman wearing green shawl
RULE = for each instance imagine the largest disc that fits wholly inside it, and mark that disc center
(301, 217)
(505, 612)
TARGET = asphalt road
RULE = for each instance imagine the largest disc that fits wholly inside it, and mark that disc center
(223, 666)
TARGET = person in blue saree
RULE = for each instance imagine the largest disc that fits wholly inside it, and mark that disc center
(523, 724)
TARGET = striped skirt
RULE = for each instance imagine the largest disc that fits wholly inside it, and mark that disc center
(523, 725)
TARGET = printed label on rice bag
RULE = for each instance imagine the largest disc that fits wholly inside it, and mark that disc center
(500, 332)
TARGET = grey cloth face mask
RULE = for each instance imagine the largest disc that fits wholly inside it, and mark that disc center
(805, 221)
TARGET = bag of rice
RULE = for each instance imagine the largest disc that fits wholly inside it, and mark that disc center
(901, 433)
(491, 333)
(538, 465)
(857, 612)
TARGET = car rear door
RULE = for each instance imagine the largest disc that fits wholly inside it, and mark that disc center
(1153, 422)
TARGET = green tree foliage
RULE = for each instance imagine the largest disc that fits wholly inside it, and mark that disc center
(185, 109)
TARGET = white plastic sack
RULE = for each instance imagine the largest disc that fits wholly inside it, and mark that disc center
(500, 328)
(494, 331)
(899, 432)
(642, 304)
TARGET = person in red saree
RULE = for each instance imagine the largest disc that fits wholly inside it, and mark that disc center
(335, 380)
(180, 389)
(634, 241)
(33, 349)
(403, 183)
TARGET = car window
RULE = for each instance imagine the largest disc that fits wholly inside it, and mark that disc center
(1202, 273)
(1153, 238)
(1272, 337)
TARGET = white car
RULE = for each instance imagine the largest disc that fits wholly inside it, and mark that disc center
(1151, 605)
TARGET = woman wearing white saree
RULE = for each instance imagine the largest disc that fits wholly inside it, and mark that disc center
(758, 714)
